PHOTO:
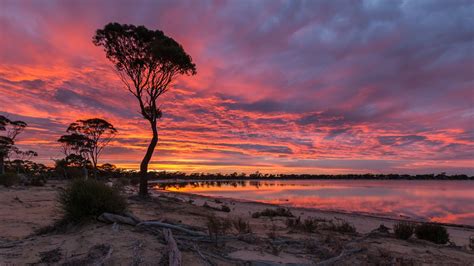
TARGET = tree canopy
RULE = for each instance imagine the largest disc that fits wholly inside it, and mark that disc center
(146, 61)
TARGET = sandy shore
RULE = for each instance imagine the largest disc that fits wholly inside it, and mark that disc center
(25, 210)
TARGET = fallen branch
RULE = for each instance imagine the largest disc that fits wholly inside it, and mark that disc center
(10, 244)
(196, 248)
(115, 218)
(344, 253)
(171, 226)
(174, 253)
(101, 261)
(136, 258)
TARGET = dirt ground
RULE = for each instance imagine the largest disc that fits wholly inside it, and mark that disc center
(271, 242)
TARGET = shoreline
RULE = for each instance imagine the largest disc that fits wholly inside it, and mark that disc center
(341, 212)
(364, 223)
(369, 183)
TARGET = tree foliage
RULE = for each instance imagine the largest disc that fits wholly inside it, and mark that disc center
(146, 60)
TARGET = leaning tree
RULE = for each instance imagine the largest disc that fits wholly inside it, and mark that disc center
(147, 61)
(11, 130)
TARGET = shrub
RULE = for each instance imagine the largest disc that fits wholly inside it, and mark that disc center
(283, 212)
(432, 232)
(217, 227)
(242, 226)
(89, 198)
(308, 225)
(121, 182)
(225, 208)
(340, 226)
(403, 230)
(294, 223)
(37, 181)
(9, 179)
(273, 231)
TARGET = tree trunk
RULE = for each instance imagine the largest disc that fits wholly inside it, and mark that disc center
(146, 160)
(2, 165)
(85, 172)
(94, 171)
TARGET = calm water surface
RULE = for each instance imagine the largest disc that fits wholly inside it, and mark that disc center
(439, 201)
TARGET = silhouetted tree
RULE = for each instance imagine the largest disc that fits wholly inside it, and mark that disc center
(76, 148)
(98, 133)
(147, 61)
(22, 158)
(11, 130)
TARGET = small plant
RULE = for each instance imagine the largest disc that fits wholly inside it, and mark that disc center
(308, 225)
(275, 248)
(51, 256)
(120, 183)
(85, 199)
(241, 226)
(217, 227)
(273, 231)
(340, 226)
(293, 223)
(282, 212)
(403, 230)
(9, 179)
(225, 208)
(432, 232)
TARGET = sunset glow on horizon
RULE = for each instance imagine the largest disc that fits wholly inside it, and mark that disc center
(316, 87)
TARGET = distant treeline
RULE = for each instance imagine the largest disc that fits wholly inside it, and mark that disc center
(218, 176)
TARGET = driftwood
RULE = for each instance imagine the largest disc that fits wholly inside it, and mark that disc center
(171, 226)
(345, 253)
(102, 260)
(206, 260)
(174, 253)
(132, 220)
(136, 258)
(115, 218)
(97, 255)
(10, 244)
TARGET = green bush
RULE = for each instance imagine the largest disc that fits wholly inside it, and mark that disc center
(85, 199)
(9, 179)
(432, 232)
(403, 230)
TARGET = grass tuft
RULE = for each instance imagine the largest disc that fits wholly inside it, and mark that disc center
(403, 230)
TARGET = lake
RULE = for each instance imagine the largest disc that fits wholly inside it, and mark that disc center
(424, 200)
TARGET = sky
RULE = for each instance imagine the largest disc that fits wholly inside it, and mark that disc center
(323, 87)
